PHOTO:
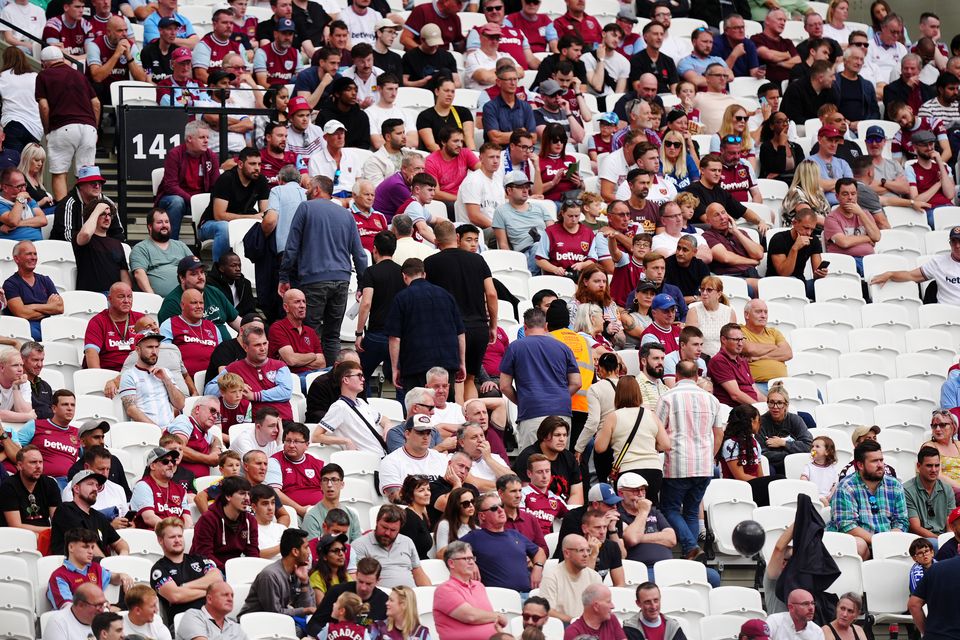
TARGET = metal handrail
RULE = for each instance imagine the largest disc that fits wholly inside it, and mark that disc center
(34, 38)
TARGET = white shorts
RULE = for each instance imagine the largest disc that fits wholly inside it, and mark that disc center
(71, 142)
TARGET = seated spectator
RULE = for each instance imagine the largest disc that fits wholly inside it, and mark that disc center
(392, 192)
(292, 471)
(216, 606)
(628, 271)
(949, 549)
(765, 347)
(141, 617)
(806, 192)
(508, 111)
(325, 389)
(227, 275)
(804, 97)
(80, 566)
(561, 248)
(709, 191)
(694, 67)
(180, 88)
(364, 73)
(342, 106)
(79, 513)
(734, 253)
(502, 553)
(15, 398)
(481, 61)
(481, 191)
(350, 421)
(520, 222)
(902, 146)
(228, 463)
(929, 175)
(282, 586)
(738, 177)
(180, 579)
(274, 154)
(678, 156)
(154, 259)
(687, 255)
(331, 565)
(862, 433)
(444, 114)
(646, 534)
(155, 55)
(741, 60)
(157, 495)
(907, 87)
(201, 450)
(830, 116)
(28, 498)
(414, 457)
(27, 17)
(195, 336)
(449, 165)
(778, 53)
(648, 616)
(597, 619)
(304, 138)
(854, 514)
(782, 433)
(55, 438)
(76, 621)
(928, 489)
(921, 552)
(331, 481)
(789, 252)
(460, 604)
(729, 371)
(849, 229)
(32, 163)
(538, 499)
(227, 530)
(739, 455)
(608, 70)
(551, 442)
(394, 551)
(386, 160)
(30, 295)
(559, 171)
(293, 342)
(337, 160)
(562, 586)
(148, 392)
(713, 101)
(21, 217)
(779, 155)
(111, 57)
(278, 61)
(41, 395)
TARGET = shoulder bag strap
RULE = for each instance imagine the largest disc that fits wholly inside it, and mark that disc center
(376, 434)
(626, 445)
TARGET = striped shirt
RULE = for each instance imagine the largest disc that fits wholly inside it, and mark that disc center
(854, 506)
(651, 390)
(932, 108)
(689, 415)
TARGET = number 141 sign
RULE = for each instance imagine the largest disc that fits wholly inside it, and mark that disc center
(149, 134)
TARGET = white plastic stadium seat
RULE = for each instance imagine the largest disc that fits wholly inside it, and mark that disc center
(817, 367)
(261, 624)
(819, 340)
(739, 601)
(69, 331)
(886, 315)
(881, 342)
(726, 503)
(843, 548)
(941, 316)
(682, 573)
(722, 627)
(867, 366)
(887, 586)
(784, 493)
(244, 570)
(861, 393)
(893, 545)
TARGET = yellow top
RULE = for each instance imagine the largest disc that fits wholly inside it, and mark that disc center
(766, 369)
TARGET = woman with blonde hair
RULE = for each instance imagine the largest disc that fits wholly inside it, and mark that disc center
(32, 159)
(734, 123)
(679, 167)
(805, 189)
(835, 25)
(403, 619)
(710, 313)
(589, 323)
(781, 432)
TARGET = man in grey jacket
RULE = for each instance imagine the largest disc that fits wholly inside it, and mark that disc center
(322, 238)
(284, 586)
(649, 617)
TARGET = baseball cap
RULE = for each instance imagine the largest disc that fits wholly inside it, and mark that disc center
(333, 126)
(955, 233)
(147, 335)
(86, 474)
(755, 629)
(604, 493)
(923, 136)
(646, 285)
(516, 177)
(861, 431)
(327, 540)
(953, 515)
(663, 301)
(386, 23)
(284, 24)
(631, 481)
(829, 132)
(419, 422)
(158, 453)
(876, 132)
(609, 118)
(90, 425)
(89, 173)
(297, 103)
(188, 263)
(168, 22)
(430, 33)
(627, 16)
(180, 54)
(218, 75)
(550, 87)
(490, 29)
(49, 54)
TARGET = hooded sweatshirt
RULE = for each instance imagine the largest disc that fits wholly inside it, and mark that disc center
(636, 630)
(219, 538)
(950, 391)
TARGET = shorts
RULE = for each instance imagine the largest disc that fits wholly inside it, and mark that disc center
(476, 339)
(69, 142)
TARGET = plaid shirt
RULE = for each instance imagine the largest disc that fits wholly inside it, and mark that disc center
(854, 506)
(689, 414)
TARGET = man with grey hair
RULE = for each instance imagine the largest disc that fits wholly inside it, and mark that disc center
(765, 347)
(415, 457)
(284, 199)
(175, 191)
(322, 240)
(562, 586)
(73, 622)
(418, 401)
(407, 247)
(597, 620)
(395, 190)
(859, 98)
(28, 294)
(904, 86)
(41, 393)
(460, 604)
(885, 54)
(200, 448)
(487, 466)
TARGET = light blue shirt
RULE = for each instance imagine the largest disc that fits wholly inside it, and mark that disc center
(838, 168)
(284, 199)
(693, 63)
(151, 28)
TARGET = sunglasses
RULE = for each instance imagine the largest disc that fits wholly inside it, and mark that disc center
(466, 503)
(673, 145)
(493, 508)
(865, 45)
(733, 139)
(741, 118)
(491, 9)
(875, 140)
(873, 504)
(532, 617)
(568, 203)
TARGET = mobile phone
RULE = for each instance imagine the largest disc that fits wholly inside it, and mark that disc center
(130, 515)
(824, 264)
(573, 169)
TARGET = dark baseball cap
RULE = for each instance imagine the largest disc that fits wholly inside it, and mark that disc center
(285, 24)
(188, 264)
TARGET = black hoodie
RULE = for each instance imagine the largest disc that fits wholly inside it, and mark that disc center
(811, 567)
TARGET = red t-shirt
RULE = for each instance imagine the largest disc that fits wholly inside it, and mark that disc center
(219, 50)
(587, 28)
(424, 14)
(260, 379)
(282, 334)
(567, 249)
(195, 341)
(902, 139)
(549, 168)
(722, 368)
(669, 339)
(600, 146)
(168, 501)
(609, 630)
(281, 65)
(92, 574)
(69, 93)
(736, 180)
(923, 179)
(231, 416)
(112, 340)
(301, 480)
(535, 30)
(450, 173)
(775, 72)
(60, 447)
(196, 441)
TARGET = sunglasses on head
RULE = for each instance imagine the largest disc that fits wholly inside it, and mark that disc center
(733, 139)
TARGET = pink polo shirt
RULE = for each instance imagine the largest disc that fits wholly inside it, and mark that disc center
(450, 174)
(450, 595)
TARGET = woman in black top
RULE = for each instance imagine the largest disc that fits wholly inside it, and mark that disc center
(415, 494)
(442, 114)
(778, 156)
(32, 159)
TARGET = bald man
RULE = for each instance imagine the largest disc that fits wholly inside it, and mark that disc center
(734, 252)
(111, 57)
(293, 342)
(797, 621)
(109, 336)
(195, 624)
(195, 336)
(563, 586)
(73, 622)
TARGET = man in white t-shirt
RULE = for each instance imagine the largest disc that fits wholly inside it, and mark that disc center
(27, 16)
(388, 85)
(480, 64)
(615, 167)
(487, 466)
(350, 422)
(796, 623)
(481, 192)
(943, 269)
(73, 622)
(15, 399)
(616, 67)
(264, 436)
(361, 20)
(141, 616)
(415, 457)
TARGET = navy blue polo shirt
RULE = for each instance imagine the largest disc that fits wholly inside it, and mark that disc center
(745, 63)
(502, 557)
(497, 116)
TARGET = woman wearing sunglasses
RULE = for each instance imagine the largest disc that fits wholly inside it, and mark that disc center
(679, 166)
(943, 429)
(459, 518)
(779, 156)
(559, 171)
(734, 123)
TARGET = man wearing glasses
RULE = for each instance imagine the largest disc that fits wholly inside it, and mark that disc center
(157, 496)
(502, 554)
(930, 500)
(200, 449)
(796, 621)
(729, 371)
(293, 472)
(868, 502)
(73, 623)
(461, 608)
(739, 52)
(513, 42)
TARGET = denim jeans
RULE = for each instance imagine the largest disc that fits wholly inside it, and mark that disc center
(375, 351)
(326, 305)
(680, 503)
(176, 207)
(219, 232)
(531, 254)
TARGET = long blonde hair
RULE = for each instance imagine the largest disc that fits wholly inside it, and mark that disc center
(726, 128)
(805, 188)
(27, 155)
(833, 6)
(680, 168)
(411, 617)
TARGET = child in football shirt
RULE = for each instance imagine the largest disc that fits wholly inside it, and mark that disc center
(229, 465)
(422, 189)
(602, 142)
(234, 408)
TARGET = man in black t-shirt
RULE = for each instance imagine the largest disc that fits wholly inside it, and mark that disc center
(708, 190)
(80, 514)
(605, 554)
(458, 468)
(378, 286)
(28, 498)
(241, 191)
(566, 481)
(423, 66)
(384, 58)
(365, 586)
(155, 56)
(601, 498)
(789, 251)
(685, 270)
(101, 260)
(180, 579)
